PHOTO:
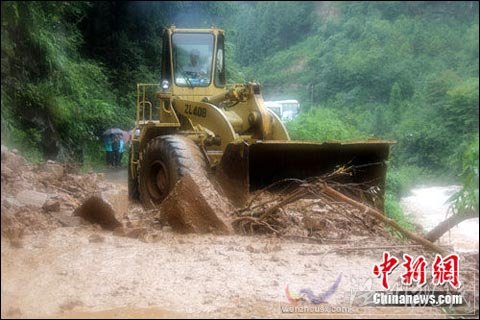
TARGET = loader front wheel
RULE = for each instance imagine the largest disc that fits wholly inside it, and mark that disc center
(164, 161)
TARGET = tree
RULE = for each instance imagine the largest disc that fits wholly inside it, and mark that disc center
(464, 203)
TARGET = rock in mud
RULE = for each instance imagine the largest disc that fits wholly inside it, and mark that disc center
(194, 206)
(54, 169)
(119, 202)
(12, 160)
(12, 202)
(32, 198)
(7, 172)
(67, 220)
(51, 205)
(97, 209)
(4, 152)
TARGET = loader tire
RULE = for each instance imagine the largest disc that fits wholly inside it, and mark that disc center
(163, 162)
(133, 193)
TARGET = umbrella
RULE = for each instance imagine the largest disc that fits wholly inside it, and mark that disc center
(112, 131)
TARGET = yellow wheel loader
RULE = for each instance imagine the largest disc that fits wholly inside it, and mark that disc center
(192, 122)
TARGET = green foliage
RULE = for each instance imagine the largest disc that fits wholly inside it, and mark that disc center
(461, 107)
(399, 183)
(396, 96)
(402, 71)
(395, 212)
(466, 200)
(406, 71)
(235, 73)
(27, 143)
(402, 179)
(421, 139)
(321, 124)
(57, 103)
(264, 28)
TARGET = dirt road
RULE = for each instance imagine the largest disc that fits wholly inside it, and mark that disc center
(72, 272)
(85, 271)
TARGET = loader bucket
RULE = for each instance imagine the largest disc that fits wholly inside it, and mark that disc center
(245, 168)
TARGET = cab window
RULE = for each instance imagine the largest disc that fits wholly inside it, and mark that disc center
(192, 59)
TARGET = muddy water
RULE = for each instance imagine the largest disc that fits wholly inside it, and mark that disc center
(76, 272)
(428, 207)
(65, 274)
(116, 175)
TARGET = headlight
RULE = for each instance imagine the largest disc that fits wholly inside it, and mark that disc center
(165, 84)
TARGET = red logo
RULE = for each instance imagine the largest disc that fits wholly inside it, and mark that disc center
(443, 270)
(415, 271)
(446, 270)
(385, 268)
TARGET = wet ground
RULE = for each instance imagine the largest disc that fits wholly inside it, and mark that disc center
(83, 271)
(117, 175)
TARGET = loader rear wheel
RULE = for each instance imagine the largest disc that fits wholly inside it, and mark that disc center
(164, 161)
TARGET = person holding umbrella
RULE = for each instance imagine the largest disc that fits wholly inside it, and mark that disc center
(107, 143)
(116, 150)
(121, 149)
(108, 138)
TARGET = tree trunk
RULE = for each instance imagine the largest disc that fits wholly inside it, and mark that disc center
(449, 223)
(380, 216)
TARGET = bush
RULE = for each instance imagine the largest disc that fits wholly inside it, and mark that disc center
(322, 124)
(56, 102)
(402, 179)
(467, 199)
(394, 211)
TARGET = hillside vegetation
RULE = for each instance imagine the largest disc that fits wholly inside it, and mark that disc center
(406, 71)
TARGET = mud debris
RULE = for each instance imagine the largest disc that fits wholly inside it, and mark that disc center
(51, 205)
(98, 209)
(50, 195)
(66, 220)
(32, 198)
(37, 193)
(194, 206)
(38, 197)
(263, 260)
(96, 238)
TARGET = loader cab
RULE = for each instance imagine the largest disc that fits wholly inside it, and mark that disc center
(193, 62)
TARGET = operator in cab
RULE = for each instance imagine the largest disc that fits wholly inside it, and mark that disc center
(195, 69)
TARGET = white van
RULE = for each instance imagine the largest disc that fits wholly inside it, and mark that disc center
(285, 109)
